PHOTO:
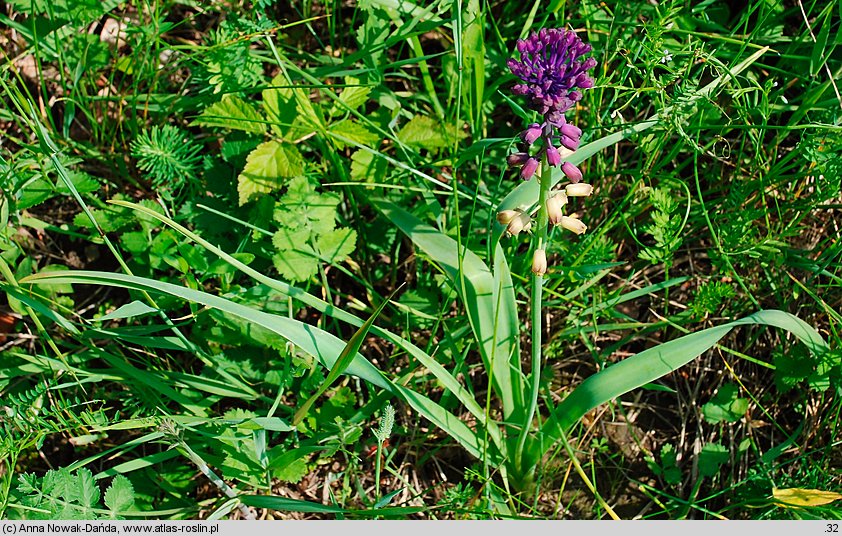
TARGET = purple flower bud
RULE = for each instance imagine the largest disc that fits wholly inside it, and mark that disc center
(553, 156)
(572, 172)
(571, 131)
(570, 143)
(529, 169)
(517, 159)
(551, 66)
(532, 133)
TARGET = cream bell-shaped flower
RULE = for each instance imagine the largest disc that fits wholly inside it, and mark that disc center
(521, 222)
(581, 189)
(539, 262)
(555, 202)
(573, 224)
(504, 217)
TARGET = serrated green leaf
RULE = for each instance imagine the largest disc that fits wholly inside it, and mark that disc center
(234, 113)
(119, 497)
(337, 244)
(280, 105)
(267, 168)
(726, 405)
(88, 491)
(425, 132)
(292, 106)
(301, 207)
(295, 265)
(353, 96)
(353, 131)
(293, 472)
(291, 240)
(108, 220)
(365, 167)
(711, 458)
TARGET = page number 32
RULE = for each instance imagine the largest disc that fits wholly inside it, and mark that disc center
(832, 527)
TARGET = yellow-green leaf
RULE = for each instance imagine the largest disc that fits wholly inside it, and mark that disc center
(804, 497)
(426, 132)
(353, 131)
(353, 96)
(268, 167)
(336, 245)
(234, 113)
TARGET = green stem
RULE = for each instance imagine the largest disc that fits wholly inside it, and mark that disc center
(377, 471)
(540, 241)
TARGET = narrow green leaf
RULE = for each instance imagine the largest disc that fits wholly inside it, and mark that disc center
(344, 360)
(294, 505)
(488, 298)
(314, 341)
(430, 410)
(657, 362)
(130, 310)
(816, 58)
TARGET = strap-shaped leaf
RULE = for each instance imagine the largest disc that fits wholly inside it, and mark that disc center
(489, 301)
(343, 361)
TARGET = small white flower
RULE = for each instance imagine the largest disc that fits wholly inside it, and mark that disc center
(581, 189)
(667, 57)
(539, 262)
(573, 224)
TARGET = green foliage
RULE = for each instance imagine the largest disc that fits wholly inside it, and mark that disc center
(227, 63)
(380, 130)
(709, 297)
(62, 494)
(268, 168)
(711, 458)
(665, 228)
(308, 231)
(232, 112)
(170, 157)
(820, 372)
(666, 468)
(427, 133)
(725, 406)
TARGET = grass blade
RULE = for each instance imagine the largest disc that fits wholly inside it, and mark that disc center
(440, 373)
(343, 361)
(656, 362)
(316, 342)
(490, 309)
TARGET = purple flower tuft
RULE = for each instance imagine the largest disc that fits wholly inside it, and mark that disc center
(529, 169)
(573, 173)
(532, 133)
(551, 67)
(553, 156)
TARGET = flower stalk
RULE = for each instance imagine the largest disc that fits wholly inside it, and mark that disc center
(552, 70)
